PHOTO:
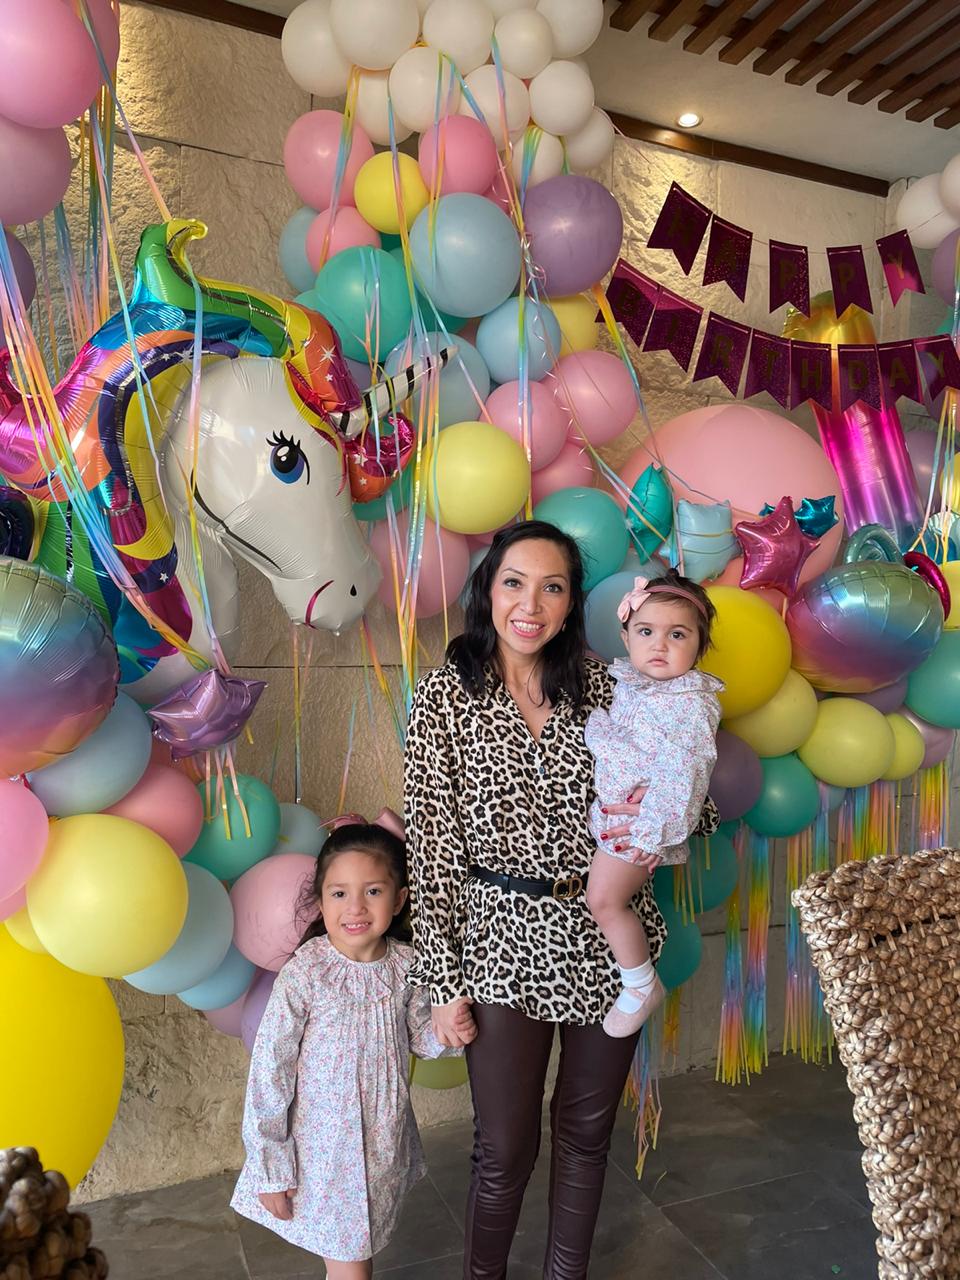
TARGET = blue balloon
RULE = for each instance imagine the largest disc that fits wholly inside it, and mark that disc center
(595, 523)
(933, 690)
(225, 984)
(498, 339)
(102, 769)
(468, 261)
(203, 943)
(604, 633)
(454, 398)
(293, 250)
(476, 559)
(300, 830)
(705, 533)
(431, 317)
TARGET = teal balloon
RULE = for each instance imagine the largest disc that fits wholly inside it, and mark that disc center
(729, 829)
(595, 523)
(226, 984)
(682, 951)
(228, 858)
(398, 496)
(364, 289)
(933, 689)
(430, 316)
(604, 632)
(203, 943)
(498, 340)
(453, 395)
(293, 250)
(650, 497)
(704, 531)
(102, 769)
(789, 801)
(466, 254)
(300, 830)
(711, 885)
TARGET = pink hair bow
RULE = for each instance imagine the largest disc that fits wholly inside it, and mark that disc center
(635, 597)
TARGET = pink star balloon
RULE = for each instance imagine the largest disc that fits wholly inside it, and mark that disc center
(775, 549)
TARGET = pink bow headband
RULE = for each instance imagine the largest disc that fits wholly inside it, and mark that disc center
(641, 592)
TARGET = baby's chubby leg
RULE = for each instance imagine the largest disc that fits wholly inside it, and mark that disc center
(348, 1270)
(610, 889)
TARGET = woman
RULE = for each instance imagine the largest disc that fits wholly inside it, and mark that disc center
(498, 782)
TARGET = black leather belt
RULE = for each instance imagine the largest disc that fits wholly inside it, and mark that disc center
(562, 890)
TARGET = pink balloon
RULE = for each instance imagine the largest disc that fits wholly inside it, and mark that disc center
(467, 150)
(499, 192)
(228, 1018)
(36, 165)
(10, 906)
(167, 802)
(254, 1004)
(49, 70)
(269, 918)
(25, 827)
(310, 153)
(547, 425)
(597, 394)
(350, 231)
(572, 467)
(23, 269)
(747, 456)
(444, 565)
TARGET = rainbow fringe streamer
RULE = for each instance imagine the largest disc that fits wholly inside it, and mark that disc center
(758, 926)
(853, 826)
(933, 807)
(642, 1092)
(732, 1044)
(806, 1028)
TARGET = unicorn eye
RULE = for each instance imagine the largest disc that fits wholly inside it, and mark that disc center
(287, 460)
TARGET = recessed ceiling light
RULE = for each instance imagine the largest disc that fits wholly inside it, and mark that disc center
(689, 120)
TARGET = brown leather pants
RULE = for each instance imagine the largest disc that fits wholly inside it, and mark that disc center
(508, 1067)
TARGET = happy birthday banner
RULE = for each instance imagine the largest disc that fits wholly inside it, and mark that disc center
(682, 225)
(792, 372)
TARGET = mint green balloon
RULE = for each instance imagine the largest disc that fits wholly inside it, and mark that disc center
(651, 498)
(680, 957)
(595, 523)
(789, 801)
(228, 858)
(712, 884)
(933, 689)
(361, 289)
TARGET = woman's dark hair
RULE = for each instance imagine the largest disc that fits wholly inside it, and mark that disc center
(356, 837)
(685, 589)
(473, 652)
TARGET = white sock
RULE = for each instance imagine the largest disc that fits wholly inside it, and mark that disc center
(636, 983)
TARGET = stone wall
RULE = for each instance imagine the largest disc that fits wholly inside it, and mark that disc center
(210, 105)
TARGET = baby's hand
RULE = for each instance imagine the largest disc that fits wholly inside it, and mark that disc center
(649, 861)
(279, 1203)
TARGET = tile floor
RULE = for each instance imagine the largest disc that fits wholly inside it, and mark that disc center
(757, 1183)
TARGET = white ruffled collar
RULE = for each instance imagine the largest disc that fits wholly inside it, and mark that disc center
(358, 980)
(694, 681)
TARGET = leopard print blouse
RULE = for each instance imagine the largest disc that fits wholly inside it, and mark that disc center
(479, 788)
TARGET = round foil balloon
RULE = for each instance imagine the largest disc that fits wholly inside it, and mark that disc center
(58, 668)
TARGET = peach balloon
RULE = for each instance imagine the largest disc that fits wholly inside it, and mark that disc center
(166, 801)
(444, 565)
(227, 1019)
(349, 231)
(547, 426)
(746, 456)
(572, 467)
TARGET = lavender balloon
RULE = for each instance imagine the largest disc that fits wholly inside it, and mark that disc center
(737, 777)
(254, 1006)
(886, 700)
(937, 740)
(575, 229)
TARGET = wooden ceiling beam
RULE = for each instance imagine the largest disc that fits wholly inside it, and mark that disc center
(897, 40)
(724, 17)
(758, 32)
(795, 43)
(917, 60)
(942, 72)
(232, 15)
(946, 96)
(847, 38)
(948, 119)
(629, 12)
(675, 17)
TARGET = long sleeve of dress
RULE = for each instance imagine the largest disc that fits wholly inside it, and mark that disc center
(438, 853)
(271, 1084)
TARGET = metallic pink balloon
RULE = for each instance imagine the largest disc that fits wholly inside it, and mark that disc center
(775, 549)
(207, 711)
(937, 740)
(932, 575)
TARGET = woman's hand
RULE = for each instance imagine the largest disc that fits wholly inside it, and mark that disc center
(453, 1023)
(616, 831)
(279, 1203)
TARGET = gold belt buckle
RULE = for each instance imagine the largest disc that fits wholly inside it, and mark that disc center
(565, 890)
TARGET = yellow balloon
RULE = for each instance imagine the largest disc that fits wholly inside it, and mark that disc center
(951, 571)
(852, 743)
(750, 651)
(577, 317)
(908, 748)
(21, 930)
(476, 476)
(62, 1069)
(439, 1073)
(110, 896)
(783, 723)
(375, 192)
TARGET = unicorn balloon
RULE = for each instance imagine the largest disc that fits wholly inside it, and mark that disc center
(171, 476)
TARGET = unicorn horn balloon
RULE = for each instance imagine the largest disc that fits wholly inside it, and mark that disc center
(258, 455)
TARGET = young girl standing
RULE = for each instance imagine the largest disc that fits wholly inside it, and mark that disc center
(661, 732)
(332, 1144)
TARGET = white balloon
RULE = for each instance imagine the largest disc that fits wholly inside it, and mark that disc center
(372, 111)
(413, 88)
(500, 7)
(576, 24)
(310, 52)
(482, 84)
(921, 212)
(423, 6)
(590, 146)
(950, 187)
(374, 33)
(561, 98)
(526, 42)
(547, 159)
(461, 29)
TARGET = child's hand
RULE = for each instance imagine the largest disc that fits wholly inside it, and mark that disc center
(464, 1025)
(279, 1203)
(649, 861)
(447, 1019)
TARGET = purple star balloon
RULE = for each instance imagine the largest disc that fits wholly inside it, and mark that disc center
(775, 549)
(208, 710)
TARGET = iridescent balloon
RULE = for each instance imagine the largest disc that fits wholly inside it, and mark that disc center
(58, 668)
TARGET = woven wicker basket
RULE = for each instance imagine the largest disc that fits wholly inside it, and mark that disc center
(885, 938)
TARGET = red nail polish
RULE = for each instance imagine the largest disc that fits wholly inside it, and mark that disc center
(604, 835)
(603, 809)
(617, 848)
